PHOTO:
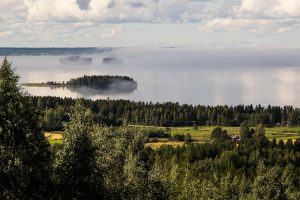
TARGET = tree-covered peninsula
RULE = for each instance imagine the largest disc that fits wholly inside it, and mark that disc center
(99, 82)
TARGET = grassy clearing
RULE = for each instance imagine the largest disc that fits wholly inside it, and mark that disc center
(55, 137)
(155, 145)
(202, 134)
(52, 142)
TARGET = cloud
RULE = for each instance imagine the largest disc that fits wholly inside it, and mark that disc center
(255, 16)
(136, 4)
(5, 34)
(52, 33)
(112, 11)
(269, 8)
(44, 10)
(12, 10)
(222, 24)
(47, 21)
(115, 30)
(257, 26)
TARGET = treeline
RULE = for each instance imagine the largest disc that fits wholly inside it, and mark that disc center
(118, 112)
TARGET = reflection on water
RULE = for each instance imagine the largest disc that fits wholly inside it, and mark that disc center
(75, 92)
(196, 76)
(87, 91)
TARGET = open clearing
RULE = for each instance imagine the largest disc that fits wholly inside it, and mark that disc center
(202, 134)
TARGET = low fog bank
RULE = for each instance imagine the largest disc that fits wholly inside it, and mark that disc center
(221, 58)
(79, 60)
(208, 76)
(111, 60)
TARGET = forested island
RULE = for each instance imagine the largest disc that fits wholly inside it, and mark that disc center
(104, 82)
(99, 161)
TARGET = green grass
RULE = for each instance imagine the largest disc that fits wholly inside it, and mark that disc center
(52, 142)
(155, 145)
(203, 134)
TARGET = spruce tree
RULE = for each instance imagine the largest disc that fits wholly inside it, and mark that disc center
(24, 151)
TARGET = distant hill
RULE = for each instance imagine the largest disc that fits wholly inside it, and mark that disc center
(8, 51)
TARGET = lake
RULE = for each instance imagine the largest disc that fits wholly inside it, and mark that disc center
(206, 76)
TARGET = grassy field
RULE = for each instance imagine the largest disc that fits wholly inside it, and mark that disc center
(202, 134)
(55, 142)
(54, 137)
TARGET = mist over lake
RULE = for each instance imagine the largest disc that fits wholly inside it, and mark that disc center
(207, 76)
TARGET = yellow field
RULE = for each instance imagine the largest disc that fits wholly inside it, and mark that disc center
(155, 145)
(54, 137)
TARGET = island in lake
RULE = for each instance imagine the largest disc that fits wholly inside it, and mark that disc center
(101, 83)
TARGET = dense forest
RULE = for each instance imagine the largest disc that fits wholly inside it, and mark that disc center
(118, 112)
(99, 162)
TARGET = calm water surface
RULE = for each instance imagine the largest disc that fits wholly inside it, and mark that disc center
(193, 76)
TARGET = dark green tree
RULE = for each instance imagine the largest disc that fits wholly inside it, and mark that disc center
(280, 144)
(219, 133)
(245, 131)
(188, 138)
(24, 151)
(260, 136)
(289, 145)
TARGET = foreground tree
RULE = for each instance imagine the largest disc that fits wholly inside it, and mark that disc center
(24, 151)
(120, 152)
(77, 173)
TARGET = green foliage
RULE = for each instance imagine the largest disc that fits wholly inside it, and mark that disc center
(120, 153)
(267, 184)
(246, 132)
(105, 82)
(76, 171)
(117, 112)
(219, 134)
(24, 152)
(188, 138)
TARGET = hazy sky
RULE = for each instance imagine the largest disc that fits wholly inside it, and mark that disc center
(48, 23)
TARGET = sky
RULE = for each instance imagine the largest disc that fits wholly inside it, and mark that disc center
(157, 23)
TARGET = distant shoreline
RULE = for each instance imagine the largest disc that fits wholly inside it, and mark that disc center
(46, 85)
